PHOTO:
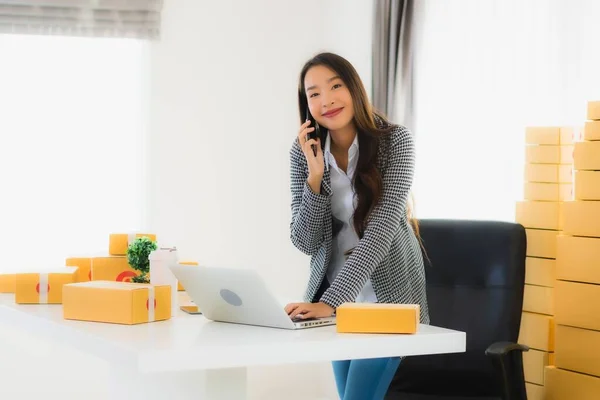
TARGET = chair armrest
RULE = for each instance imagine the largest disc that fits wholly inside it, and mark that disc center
(507, 358)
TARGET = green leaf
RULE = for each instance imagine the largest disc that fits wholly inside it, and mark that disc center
(138, 254)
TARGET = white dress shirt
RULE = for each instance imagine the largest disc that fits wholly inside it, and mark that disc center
(343, 203)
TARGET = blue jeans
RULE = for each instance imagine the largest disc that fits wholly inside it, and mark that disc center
(366, 379)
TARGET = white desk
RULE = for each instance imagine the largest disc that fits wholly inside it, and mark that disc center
(189, 357)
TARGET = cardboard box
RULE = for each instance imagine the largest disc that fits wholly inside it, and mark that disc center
(117, 302)
(577, 304)
(537, 331)
(581, 218)
(578, 259)
(548, 173)
(179, 286)
(549, 154)
(534, 363)
(548, 191)
(586, 156)
(541, 243)
(119, 242)
(534, 392)
(567, 385)
(539, 214)
(84, 265)
(591, 130)
(578, 349)
(43, 287)
(552, 135)
(7, 283)
(587, 185)
(593, 110)
(112, 268)
(538, 299)
(377, 318)
(540, 271)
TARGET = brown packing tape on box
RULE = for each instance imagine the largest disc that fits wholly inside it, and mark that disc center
(578, 259)
(567, 385)
(578, 349)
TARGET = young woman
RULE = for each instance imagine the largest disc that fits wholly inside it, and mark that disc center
(350, 189)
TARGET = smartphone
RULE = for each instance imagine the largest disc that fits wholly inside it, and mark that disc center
(313, 124)
(316, 133)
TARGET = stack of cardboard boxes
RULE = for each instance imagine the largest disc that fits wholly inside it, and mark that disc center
(576, 371)
(95, 288)
(548, 185)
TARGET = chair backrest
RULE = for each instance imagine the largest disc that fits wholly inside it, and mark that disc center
(475, 281)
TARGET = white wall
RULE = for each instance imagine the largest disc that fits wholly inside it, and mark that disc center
(223, 116)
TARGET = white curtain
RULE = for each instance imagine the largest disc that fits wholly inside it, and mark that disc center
(484, 71)
(104, 18)
(72, 147)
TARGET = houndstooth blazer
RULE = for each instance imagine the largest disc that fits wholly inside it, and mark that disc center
(388, 253)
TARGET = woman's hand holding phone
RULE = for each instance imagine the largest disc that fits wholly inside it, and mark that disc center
(314, 156)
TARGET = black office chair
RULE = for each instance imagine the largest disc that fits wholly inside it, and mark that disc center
(475, 279)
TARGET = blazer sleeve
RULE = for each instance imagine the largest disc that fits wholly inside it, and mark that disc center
(308, 208)
(384, 221)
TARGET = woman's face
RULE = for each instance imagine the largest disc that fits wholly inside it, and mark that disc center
(329, 99)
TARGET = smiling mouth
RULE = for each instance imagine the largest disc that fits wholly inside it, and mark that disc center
(333, 113)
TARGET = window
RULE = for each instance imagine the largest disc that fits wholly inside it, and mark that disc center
(72, 146)
(485, 71)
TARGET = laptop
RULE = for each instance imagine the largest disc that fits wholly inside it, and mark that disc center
(238, 296)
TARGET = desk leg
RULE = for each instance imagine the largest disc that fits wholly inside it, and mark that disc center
(218, 384)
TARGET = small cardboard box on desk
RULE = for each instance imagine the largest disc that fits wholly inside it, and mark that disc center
(7, 283)
(119, 242)
(116, 302)
(377, 318)
(43, 287)
(102, 268)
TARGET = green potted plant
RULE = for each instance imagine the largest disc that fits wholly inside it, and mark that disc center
(137, 257)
